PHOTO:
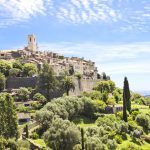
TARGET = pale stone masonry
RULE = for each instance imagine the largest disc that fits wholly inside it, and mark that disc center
(59, 63)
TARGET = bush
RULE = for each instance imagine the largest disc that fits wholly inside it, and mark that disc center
(3, 143)
(23, 94)
(124, 136)
(94, 95)
(23, 145)
(93, 143)
(62, 134)
(134, 114)
(112, 145)
(14, 72)
(2, 82)
(111, 101)
(39, 97)
(12, 144)
(106, 120)
(118, 139)
(136, 134)
(34, 135)
(131, 146)
(133, 125)
(29, 69)
(119, 115)
(36, 105)
(144, 121)
(22, 108)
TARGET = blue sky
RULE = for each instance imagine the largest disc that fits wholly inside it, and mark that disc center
(113, 33)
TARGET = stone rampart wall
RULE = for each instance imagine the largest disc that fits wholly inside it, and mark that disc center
(80, 85)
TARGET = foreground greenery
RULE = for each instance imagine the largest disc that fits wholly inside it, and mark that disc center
(73, 122)
(61, 129)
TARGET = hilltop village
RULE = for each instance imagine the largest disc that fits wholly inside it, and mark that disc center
(52, 102)
(60, 64)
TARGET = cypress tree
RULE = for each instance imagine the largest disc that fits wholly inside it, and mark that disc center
(82, 138)
(127, 94)
(124, 101)
(12, 122)
(26, 130)
(8, 117)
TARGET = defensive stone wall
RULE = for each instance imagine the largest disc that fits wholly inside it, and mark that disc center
(17, 82)
(80, 85)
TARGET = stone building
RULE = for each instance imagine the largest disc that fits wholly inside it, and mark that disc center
(59, 63)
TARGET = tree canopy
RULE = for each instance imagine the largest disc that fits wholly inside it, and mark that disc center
(8, 117)
(47, 80)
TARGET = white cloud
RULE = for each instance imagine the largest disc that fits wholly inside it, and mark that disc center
(14, 11)
(114, 59)
(130, 15)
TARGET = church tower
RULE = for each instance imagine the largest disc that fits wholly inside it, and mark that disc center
(32, 44)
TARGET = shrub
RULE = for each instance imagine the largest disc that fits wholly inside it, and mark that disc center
(133, 125)
(134, 114)
(118, 139)
(106, 120)
(34, 135)
(23, 94)
(12, 144)
(144, 121)
(36, 105)
(22, 108)
(23, 145)
(112, 144)
(62, 135)
(93, 143)
(2, 82)
(131, 146)
(124, 136)
(136, 134)
(119, 115)
(111, 101)
(39, 97)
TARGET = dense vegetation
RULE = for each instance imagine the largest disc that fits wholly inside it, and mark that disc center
(72, 122)
(61, 128)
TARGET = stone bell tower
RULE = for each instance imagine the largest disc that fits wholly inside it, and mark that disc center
(32, 44)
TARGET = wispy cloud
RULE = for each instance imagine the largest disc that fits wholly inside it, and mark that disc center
(14, 11)
(114, 58)
(128, 14)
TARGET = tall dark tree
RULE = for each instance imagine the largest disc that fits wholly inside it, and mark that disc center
(127, 94)
(8, 117)
(26, 130)
(47, 80)
(126, 99)
(12, 121)
(82, 138)
(104, 76)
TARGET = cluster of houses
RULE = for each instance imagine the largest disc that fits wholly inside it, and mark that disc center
(60, 64)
